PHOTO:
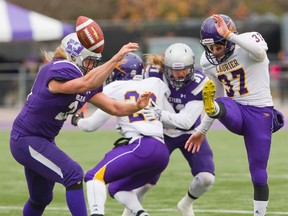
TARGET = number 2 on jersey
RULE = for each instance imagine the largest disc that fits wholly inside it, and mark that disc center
(133, 96)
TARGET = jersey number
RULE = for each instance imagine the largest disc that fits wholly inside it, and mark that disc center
(133, 96)
(240, 77)
(63, 116)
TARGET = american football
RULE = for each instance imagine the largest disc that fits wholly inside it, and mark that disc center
(90, 34)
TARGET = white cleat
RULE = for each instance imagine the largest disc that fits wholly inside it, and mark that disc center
(184, 209)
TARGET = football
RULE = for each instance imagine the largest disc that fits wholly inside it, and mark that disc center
(90, 34)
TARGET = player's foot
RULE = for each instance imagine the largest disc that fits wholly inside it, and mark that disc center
(208, 94)
(185, 210)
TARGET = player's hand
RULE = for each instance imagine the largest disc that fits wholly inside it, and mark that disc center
(194, 142)
(75, 118)
(130, 47)
(143, 100)
(220, 25)
(152, 113)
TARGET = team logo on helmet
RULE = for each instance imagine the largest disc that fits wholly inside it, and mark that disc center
(118, 66)
(74, 48)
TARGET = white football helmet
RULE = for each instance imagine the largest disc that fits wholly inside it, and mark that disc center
(78, 54)
(179, 56)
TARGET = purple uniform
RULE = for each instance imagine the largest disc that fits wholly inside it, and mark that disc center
(35, 128)
(201, 161)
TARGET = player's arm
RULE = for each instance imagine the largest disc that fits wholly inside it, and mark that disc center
(194, 142)
(251, 42)
(94, 78)
(116, 108)
(251, 45)
(186, 118)
(94, 122)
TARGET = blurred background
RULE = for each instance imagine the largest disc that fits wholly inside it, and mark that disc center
(31, 27)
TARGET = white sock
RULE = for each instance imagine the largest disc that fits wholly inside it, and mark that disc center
(217, 109)
(130, 200)
(96, 195)
(260, 208)
(142, 191)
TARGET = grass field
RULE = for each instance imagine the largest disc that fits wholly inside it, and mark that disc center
(231, 195)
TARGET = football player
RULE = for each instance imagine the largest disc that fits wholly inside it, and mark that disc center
(62, 87)
(238, 67)
(141, 154)
(186, 86)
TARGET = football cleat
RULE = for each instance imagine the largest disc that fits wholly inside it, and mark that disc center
(208, 94)
(184, 209)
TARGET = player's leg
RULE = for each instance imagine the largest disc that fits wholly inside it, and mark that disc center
(132, 205)
(40, 193)
(46, 159)
(202, 168)
(141, 193)
(225, 109)
(140, 156)
(257, 135)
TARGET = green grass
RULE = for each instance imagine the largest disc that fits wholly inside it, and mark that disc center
(232, 190)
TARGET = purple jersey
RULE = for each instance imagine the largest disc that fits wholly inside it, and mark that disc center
(44, 113)
(179, 97)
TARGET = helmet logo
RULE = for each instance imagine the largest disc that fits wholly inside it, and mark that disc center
(207, 41)
(118, 66)
(178, 66)
(230, 26)
(74, 48)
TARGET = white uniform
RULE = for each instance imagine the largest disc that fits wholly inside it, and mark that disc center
(242, 78)
(127, 91)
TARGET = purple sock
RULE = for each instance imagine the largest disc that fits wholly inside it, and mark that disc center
(76, 202)
(28, 210)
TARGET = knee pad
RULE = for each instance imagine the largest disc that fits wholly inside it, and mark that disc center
(40, 206)
(75, 175)
(206, 179)
(202, 182)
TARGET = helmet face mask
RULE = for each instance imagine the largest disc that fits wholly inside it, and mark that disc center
(210, 36)
(130, 67)
(77, 54)
(179, 59)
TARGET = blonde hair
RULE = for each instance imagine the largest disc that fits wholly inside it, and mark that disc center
(58, 53)
(155, 60)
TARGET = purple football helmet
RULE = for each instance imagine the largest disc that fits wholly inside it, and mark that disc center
(209, 36)
(130, 67)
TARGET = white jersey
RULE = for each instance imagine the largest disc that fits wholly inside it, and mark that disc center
(127, 91)
(240, 77)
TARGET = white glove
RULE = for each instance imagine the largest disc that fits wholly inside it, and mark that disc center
(152, 113)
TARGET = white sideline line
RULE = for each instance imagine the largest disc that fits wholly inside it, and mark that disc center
(3, 208)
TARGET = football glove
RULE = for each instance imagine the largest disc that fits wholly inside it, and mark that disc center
(152, 113)
(75, 118)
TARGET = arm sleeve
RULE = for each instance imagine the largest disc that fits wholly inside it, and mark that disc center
(94, 122)
(205, 124)
(257, 51)
(186, 118)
